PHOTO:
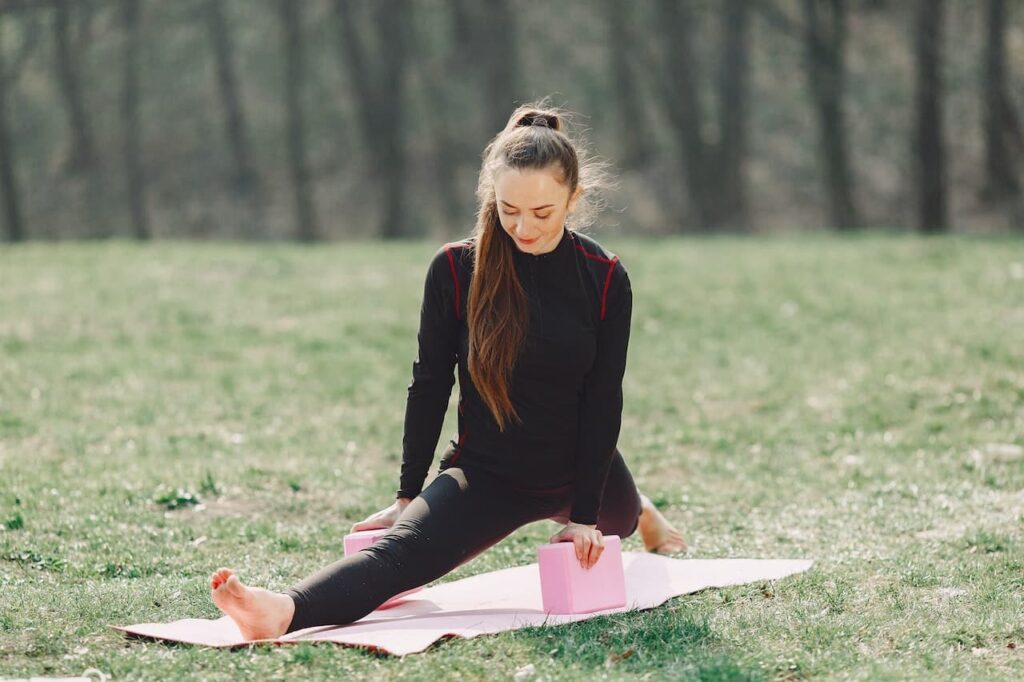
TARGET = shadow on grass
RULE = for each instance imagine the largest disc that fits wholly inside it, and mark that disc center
(674, 642)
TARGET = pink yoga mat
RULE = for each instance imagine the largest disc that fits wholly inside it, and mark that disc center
(490, 602)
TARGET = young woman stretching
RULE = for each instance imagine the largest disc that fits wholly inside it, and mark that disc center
(537, 318)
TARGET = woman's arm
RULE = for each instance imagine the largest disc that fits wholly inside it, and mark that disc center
(432, 374)
(601, 402)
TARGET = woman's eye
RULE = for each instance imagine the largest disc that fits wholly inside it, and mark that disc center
(541, 217)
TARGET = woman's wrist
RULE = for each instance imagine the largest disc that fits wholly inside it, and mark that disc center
(585, 525)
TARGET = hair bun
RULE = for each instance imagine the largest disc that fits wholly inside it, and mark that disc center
(535, 118)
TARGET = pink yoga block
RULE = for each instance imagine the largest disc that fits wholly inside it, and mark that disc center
(567, 587)
(361, 539)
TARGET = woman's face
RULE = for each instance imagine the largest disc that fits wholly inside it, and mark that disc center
(532, 206)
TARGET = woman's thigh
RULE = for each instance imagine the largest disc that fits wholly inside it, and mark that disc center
(461, 513)
(620, 503)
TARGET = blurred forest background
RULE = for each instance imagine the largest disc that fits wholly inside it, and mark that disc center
(327, 119)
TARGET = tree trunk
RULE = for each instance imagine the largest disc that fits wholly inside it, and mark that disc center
(824, 45)
(379, 82)
(83, 156)
(305, 213)
(441, 105)
(235, 128)
(715, 181)
(392, 18)
(1001, 180)
(131, 121)
(733, 89)
(633, 134)
(13, 221)
(929, 148)
(499, 61)
(82, 162)
(683, 106)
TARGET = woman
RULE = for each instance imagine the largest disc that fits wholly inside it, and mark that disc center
(536, 317)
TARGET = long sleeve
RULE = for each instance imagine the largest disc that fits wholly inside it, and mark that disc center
(601, 401)
(432, 374)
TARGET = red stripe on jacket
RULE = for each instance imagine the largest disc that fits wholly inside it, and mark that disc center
(458, 290)
(608, 277)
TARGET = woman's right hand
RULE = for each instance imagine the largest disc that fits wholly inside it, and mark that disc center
(385, 518)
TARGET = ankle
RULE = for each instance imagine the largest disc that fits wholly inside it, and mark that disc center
(287, 611)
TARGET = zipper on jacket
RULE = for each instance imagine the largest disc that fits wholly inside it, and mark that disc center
(540, 307)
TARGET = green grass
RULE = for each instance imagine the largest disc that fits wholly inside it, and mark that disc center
(172, 408)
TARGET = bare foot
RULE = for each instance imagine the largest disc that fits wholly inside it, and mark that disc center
(259, 613)
(658, 534)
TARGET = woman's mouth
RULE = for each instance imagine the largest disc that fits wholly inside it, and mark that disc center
(527, 241)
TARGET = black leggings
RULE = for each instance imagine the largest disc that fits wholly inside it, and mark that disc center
(460, 514)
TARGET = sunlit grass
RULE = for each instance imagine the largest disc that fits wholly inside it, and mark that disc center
(172, 408)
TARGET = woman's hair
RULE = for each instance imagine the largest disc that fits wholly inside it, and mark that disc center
(497, 307)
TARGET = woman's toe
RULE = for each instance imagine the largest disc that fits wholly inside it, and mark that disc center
(219, 578)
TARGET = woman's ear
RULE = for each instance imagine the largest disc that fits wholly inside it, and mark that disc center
(574, 198)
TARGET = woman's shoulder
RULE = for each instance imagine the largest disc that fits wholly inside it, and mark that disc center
(600, 259)
(460, 252)
(453, 259)
(607, 276)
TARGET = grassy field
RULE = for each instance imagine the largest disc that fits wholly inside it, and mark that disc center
(172, 408)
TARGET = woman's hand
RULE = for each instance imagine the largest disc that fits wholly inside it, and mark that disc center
(588, 540)
(385, 518)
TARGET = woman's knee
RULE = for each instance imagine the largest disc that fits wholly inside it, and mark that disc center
(612, 521)
(621, 524)
(621, 506)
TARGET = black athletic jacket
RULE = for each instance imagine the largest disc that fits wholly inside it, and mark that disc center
(566, 384)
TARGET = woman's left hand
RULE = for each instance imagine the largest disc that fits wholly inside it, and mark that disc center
(588, 540)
